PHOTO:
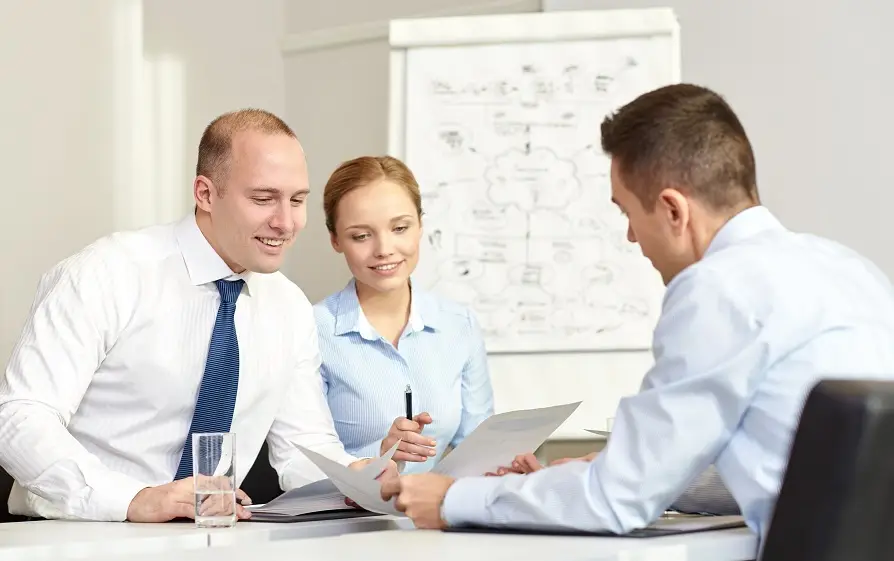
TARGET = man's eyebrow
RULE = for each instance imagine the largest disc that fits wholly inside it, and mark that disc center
(275, 191)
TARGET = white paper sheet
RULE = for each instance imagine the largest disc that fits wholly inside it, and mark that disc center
(319, 496)
(360, 486)
(500, 438)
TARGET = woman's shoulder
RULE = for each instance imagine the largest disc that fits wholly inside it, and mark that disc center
(444, 308)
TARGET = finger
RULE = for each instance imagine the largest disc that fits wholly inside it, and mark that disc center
(351, 503)
(561, 461)
(423, 419)
(242, 497)
(404, 424)
(413, 448)
(182, 510)
(390, 488)
(242, 513)
(400, 456)
(529, 463)
(415, 438)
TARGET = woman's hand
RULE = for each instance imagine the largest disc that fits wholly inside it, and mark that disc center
(413, 446)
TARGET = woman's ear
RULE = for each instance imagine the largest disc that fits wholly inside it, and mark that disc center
(333, 239)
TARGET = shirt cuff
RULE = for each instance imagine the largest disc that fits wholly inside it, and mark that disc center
(110, 500)
(467, 499)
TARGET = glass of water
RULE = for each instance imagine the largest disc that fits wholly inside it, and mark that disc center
(214, 474)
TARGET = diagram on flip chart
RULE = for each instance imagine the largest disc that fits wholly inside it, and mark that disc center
(504, 140)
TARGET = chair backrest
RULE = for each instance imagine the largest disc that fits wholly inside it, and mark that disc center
(261, 483)
(6, 482)
(837, 497)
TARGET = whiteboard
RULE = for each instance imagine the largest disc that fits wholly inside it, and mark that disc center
(498, 117)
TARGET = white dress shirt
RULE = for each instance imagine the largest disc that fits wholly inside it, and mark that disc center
(99, 393)
(744, 334)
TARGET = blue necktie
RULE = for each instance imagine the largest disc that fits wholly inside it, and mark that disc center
(217, 394)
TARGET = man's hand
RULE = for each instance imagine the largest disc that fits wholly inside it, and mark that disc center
(419, 497)
(176, 500)
(413, 446)
(390, 472)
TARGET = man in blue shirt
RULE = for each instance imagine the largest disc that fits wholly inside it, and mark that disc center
(753, 316)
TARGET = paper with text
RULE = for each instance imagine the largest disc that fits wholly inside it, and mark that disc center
(500, 438)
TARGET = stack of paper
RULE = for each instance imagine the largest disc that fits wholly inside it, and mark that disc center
(319, 496)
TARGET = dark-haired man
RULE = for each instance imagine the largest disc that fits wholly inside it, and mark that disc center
(754, 315)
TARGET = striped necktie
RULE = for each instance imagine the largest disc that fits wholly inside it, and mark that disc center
(217, 394)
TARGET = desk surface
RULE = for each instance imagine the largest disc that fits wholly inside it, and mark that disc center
(724, 545)
(55, 539)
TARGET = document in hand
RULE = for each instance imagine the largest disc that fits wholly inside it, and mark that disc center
(319, 496)
(361, 486)
(495, 443)
(500, 438)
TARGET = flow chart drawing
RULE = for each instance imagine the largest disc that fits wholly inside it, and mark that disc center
(518, 221)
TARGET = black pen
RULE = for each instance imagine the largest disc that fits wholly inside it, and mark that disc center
(408, 396)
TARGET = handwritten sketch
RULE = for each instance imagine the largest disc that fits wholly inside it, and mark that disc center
(519, 224)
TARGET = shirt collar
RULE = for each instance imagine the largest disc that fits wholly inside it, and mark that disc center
(203, 264)
(349, 316)
(746, 224)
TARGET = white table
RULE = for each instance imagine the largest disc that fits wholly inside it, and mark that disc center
(56, 539)
(258, 532)
(722, 545)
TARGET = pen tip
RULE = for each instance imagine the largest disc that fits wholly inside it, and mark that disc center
(408, 387)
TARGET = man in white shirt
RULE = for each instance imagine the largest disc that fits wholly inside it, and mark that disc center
(147, 336)
(753, 317)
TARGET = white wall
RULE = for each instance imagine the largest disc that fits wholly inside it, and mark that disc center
(102, 105)
(336, 67)
(812, 84)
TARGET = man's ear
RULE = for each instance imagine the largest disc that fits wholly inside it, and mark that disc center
(675, 208)
(202, 188)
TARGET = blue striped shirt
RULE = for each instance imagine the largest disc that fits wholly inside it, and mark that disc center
(440, 354)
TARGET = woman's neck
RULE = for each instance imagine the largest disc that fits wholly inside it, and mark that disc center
(394, 303)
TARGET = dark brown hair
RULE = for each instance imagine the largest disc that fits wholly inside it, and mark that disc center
(686, 137)
(362, 171)
(216, 143)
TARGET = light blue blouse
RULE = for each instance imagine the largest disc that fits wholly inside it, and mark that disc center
(440, 354)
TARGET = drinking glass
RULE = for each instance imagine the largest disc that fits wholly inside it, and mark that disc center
(214, 473)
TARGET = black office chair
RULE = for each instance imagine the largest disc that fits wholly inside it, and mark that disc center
(261, 482)
(837, 497)
(6, 482)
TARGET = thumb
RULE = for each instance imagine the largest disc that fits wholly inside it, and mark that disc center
(423, 419)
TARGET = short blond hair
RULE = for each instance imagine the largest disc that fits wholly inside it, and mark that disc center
(216, 144)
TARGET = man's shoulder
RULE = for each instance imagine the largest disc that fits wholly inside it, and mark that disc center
(118, 252)
(286, 291)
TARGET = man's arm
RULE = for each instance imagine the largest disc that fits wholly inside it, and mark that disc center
(707, 495)
(304, 419)
(708, 362)
(75, 318)
(477, 392)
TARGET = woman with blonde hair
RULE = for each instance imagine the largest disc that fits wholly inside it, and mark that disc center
(381, 337)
